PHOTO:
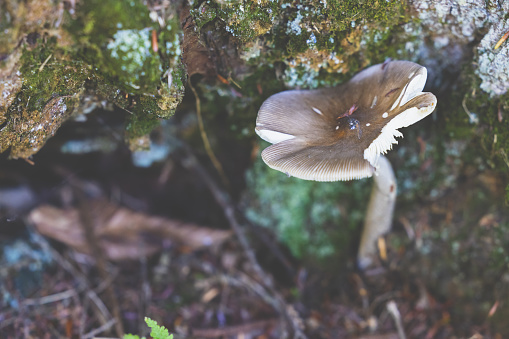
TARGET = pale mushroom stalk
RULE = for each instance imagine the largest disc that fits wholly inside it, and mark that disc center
(379, 213)
(341, 133)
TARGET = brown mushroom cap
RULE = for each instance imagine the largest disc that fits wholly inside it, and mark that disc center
(338, 133)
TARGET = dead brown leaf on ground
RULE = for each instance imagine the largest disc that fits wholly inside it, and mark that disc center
(124, 234)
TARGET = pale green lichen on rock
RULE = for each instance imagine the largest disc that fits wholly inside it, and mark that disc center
(491, 61)
(130, 48)
(315, 220)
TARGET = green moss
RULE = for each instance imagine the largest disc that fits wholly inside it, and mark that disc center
(51, 89)
(60, 76)
(109, 52)
(298, 25)
(325, 45)
(327, 26)
(495, 136)
(6, 38)
(117, 38)
(140, 125)
(245, 20)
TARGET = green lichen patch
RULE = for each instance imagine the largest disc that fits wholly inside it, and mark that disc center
(130, 58)
(316, 220)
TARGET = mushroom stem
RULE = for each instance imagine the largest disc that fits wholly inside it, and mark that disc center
(379, 214)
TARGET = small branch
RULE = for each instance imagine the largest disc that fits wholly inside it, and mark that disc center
(471, 116)
(88, 226)
(83, 284)
(206, 143)
(50, 298)
(103, 314)
(501, 41)
(103, 328)
(45, 62)
(223, 200)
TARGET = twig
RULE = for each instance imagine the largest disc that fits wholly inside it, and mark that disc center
(103, 328)
(206, 143)
(145, 293)
(270, 243)
(104, 314)
(471, 116)
(229, 211)
(83, 320)
(50, 298)
(87, 225)
(45, 62)
(224, 201)
(501, 41)
(83, 285)
(242, 280)
(504, 156)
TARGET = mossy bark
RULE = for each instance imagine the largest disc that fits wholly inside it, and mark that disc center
(101, 49)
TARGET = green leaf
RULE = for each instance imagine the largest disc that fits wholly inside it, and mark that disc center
(158, 332)
(132, 336)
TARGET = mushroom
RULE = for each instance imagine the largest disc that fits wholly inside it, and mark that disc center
(340, 133)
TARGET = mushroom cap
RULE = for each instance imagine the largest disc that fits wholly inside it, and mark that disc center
(338, 133)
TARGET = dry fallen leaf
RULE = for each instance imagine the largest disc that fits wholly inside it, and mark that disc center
(124, 234)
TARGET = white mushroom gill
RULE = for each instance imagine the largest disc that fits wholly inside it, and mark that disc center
(383, 143)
